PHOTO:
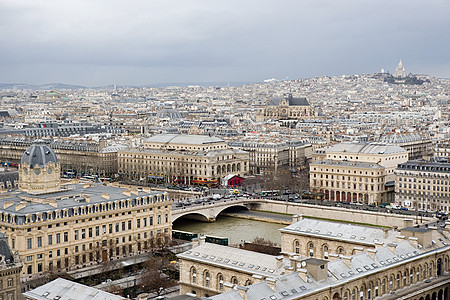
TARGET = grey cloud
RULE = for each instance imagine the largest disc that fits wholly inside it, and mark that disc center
(154, 41)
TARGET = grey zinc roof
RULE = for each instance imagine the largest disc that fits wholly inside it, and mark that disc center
(63, 289)
(343, 163)
(66, 198)
(335, 230)
(291, 286)
(366, 148)
(39, 154)
(5, 251)
(184, 139)
(242, 260)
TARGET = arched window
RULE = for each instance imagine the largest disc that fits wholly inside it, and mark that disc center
(248, 282)
(404, 278)
(297, 247)
(311, 249)
(207, 279)
(398, 281)
(234, 280)
(220, 282)
(193, 275)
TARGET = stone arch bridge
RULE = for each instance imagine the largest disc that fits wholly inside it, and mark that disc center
(209, 211)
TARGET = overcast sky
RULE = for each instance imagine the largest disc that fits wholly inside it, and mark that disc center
(138, 42)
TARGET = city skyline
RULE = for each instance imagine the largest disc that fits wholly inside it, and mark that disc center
(145, 43)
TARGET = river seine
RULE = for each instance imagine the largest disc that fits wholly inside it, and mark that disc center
(235, 229)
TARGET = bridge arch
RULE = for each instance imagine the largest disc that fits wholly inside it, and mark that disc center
(200, 216)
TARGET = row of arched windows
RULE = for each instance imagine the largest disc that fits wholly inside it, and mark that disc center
(215, 282)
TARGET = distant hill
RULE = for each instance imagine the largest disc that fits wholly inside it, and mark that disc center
(47, 86)
(63, 86)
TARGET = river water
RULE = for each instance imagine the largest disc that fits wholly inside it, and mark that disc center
(235, 229)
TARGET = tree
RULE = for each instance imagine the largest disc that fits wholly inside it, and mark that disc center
(153, 279)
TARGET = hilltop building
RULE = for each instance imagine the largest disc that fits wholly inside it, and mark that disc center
(400, 71)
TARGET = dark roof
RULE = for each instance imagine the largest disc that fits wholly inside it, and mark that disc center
(38, 154)
(292, 101)
(5, 250)
(416, 229)
(315, 261)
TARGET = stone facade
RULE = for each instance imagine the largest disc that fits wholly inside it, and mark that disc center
(286, 108)
(183, 159)
(88, 158)
(346, 181)
(10, 266)
(80, 224)
(378, 269)
(423, 185)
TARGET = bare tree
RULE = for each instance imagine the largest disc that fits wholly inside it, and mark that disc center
(153, 279)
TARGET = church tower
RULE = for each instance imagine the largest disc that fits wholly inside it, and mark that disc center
(400, 70)
(39, 170)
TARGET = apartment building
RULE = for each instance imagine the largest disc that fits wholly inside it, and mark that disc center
(183, 159)
(423, 185)
(57, 225)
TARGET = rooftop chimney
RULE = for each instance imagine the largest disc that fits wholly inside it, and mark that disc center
(347, 260)
(414, 242)
(228, 286)
(202, 240)
(372, 253)
(358, 249)
(271, 282)
(400, 238)
(297, 218)
(378, 244)
(303, 273)
(279, 260)
(194, 242)
(408, 222)
(392, 247)
(242, 290)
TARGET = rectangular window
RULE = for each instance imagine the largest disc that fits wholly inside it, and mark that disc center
(159, 219)
(39, 267)
(50, 239)
(39, 241)
(29, 257)
(166, 218)
(123, 226)
(76, 235)
(90, 232)
(145, 222)
(138, 223)
(104, 229)
(58, 238)
(66, 237)
(110, 228)
(151, 221)
(97, 230)
(129, 225)
(29, 244)
(83, 233)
